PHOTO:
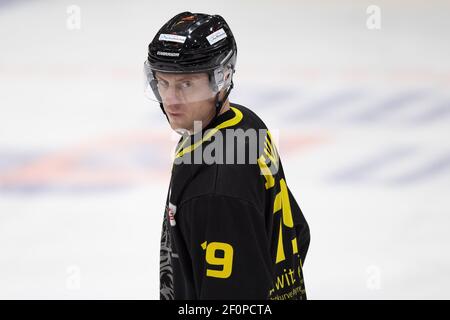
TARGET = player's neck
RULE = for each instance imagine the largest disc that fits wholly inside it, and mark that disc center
(226, 107)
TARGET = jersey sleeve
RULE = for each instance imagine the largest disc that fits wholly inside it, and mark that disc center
(302, 228)
(228, 247)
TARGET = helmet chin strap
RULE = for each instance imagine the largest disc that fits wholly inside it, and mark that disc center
(218, 103)
(162, 108)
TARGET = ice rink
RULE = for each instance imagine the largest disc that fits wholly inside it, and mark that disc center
(361, 117)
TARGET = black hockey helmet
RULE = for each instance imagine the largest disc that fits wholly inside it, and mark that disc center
(193, 43)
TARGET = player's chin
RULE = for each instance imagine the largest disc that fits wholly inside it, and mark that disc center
(178, 125)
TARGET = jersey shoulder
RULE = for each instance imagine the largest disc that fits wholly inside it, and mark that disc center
(238, 175)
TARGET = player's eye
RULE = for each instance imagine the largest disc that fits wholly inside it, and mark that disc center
(163, 84)
(186, 84)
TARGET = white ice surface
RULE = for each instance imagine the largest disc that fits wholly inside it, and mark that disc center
(362, 118)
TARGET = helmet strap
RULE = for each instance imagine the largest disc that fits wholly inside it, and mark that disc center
(219, 103)
(162, 108)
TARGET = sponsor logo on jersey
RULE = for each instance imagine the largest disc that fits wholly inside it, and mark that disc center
(171, 210)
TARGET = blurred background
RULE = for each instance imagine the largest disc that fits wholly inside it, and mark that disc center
(356, 93)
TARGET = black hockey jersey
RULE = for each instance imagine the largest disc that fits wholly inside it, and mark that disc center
(231, 228)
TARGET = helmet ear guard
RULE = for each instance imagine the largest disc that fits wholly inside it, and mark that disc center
(222, 76)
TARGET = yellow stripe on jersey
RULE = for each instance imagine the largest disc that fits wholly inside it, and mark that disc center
(294, 246)
(231, 122)
(281, 202)
(270, 155)
(270, 181)
(182, 144)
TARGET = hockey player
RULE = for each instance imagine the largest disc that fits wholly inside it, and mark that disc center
(231, 229)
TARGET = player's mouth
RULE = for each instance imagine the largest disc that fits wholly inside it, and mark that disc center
(174, 114)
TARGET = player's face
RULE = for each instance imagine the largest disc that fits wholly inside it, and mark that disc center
(186, 98)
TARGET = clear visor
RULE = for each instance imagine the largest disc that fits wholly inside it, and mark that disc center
(175, 88)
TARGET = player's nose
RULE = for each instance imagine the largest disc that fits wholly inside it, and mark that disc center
(171, 97)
